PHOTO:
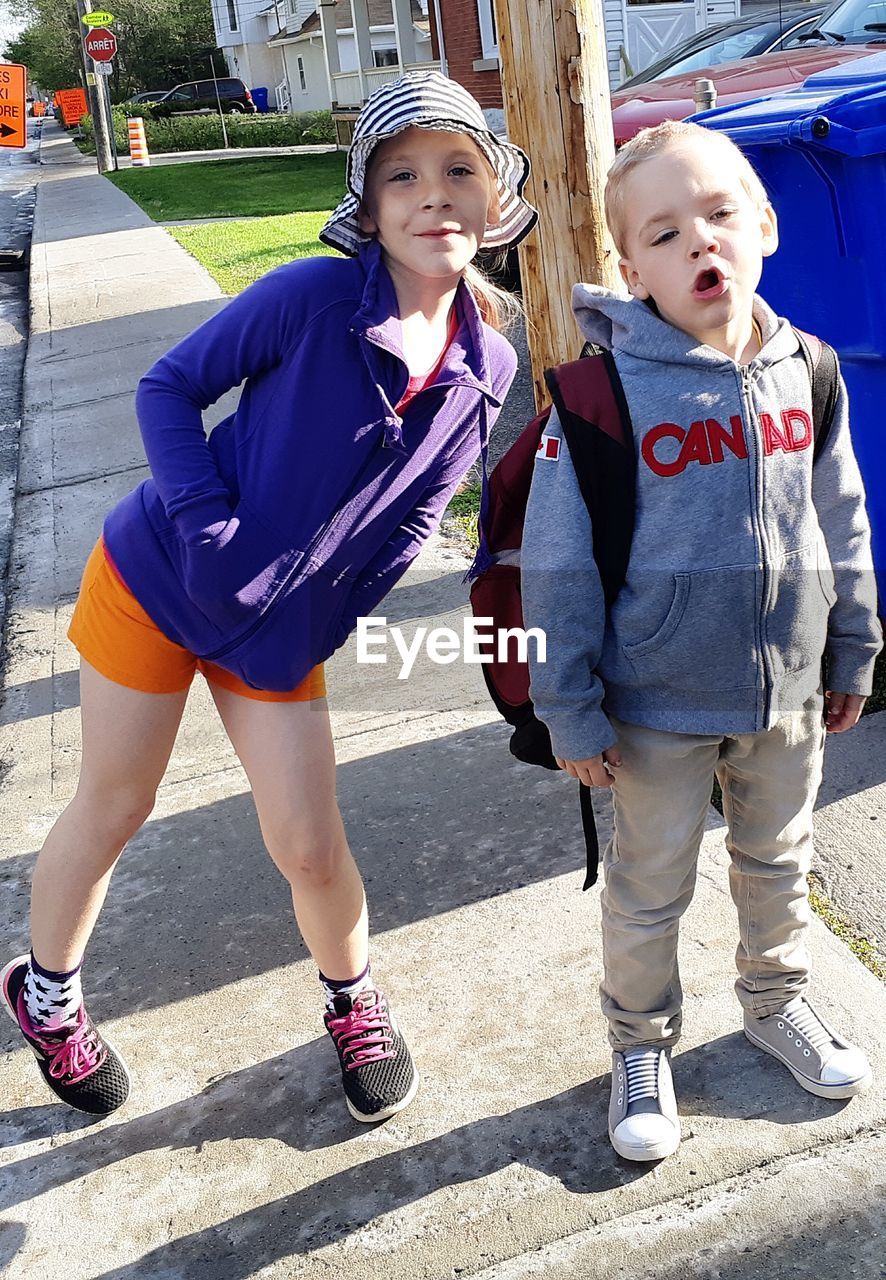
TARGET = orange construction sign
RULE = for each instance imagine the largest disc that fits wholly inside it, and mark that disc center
(72, 104)
(13, 105)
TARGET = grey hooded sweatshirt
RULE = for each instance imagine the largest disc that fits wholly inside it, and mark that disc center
(747, 564)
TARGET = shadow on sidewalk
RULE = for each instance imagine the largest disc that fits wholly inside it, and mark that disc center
(295, 1100)
(422, 602)
(196, 903)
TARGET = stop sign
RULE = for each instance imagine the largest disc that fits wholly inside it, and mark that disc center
(101, 44)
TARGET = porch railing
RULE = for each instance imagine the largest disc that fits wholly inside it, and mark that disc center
(347, 83)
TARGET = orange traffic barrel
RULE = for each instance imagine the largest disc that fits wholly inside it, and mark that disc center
(138, 148)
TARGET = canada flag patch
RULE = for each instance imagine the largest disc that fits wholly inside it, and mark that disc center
(549, 448)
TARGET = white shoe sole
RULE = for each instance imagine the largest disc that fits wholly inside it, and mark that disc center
(654, 1151)
(848, 1089)
(386, 1114)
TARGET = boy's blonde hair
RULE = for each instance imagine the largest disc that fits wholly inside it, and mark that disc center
(651, 142)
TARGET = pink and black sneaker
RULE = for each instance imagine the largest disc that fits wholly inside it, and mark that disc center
(79, 1066)
(377, 1071)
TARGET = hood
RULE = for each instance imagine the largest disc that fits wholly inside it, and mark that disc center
(629, 326)
(673, 97)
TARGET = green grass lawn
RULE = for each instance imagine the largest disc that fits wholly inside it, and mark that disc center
(237, 253)
(253, 187)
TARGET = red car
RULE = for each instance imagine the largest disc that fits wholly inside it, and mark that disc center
(769, 73)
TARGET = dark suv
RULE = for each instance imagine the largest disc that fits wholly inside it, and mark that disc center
(196, 95)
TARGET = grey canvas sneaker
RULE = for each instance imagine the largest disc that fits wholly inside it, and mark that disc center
(643, 1120)
(820, 1060)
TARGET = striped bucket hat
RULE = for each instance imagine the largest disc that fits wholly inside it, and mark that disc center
(429, 100)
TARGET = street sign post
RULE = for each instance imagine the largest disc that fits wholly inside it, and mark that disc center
(101, 44)
(13, 105)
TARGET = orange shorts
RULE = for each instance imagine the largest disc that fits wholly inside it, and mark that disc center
(114, 634)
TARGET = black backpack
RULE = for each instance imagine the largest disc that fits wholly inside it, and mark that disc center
(590, 403)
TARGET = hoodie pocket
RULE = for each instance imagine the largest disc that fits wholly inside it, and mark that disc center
(800, 601)
(235, 577)
(294, 633)
(705, 640)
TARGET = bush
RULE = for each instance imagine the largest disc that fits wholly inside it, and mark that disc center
(204, 132)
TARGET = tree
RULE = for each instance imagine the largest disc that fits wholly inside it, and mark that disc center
(48, 48)
(161, 42)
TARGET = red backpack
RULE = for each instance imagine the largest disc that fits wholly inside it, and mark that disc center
(593, 413)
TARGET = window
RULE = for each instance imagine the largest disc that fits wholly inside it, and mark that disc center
(300, 63)
(292, 7)
(488, 29)
(385, 57)
(232, 16)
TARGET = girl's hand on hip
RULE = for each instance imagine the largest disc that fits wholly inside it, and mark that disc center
(842, 710)
(593, 772)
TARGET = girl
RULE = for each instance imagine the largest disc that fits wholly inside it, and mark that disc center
(370, 388)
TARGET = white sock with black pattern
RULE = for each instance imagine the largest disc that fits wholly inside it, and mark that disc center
(333, 987)
(52, 999)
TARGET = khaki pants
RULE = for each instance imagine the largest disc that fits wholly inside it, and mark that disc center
(661, 794)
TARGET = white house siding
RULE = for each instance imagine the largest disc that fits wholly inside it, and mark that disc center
(379, 38)
(256, 64)
(316, 95)
(246, 49)
(721, 11)
(614, 20)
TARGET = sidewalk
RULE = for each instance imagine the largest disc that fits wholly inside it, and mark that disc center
(235, 1156)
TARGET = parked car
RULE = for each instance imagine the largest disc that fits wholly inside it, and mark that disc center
(753, 33)
(844, 32)
(197, 95)
(149, 95)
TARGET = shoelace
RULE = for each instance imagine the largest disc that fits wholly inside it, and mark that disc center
(77, 1055)
(805, 1020)
(364, 1035)
(641, 1068)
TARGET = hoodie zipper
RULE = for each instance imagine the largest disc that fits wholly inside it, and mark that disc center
(760, 530)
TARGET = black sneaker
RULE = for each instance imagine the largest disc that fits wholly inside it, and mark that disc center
(377, 1071)
(79, 1066)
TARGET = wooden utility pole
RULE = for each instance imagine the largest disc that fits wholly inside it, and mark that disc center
(99, 103)
(555, 85)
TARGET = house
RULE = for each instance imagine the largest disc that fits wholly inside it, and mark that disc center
(287, 47)
(636, 34)
(313, 54)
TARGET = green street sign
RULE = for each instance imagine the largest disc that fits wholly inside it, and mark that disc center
(97, 19)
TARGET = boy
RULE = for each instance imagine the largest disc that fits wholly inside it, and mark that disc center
(747, 566)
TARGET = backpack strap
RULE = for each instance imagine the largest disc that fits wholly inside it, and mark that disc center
(821, 362)
(593, 412)
(592, 840)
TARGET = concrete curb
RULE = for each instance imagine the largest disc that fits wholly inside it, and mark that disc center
(13, 369)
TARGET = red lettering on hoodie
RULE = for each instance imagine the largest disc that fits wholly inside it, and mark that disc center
(802, 438)
(795, 435)
(718, 436)
(651, 439)
(705, 441)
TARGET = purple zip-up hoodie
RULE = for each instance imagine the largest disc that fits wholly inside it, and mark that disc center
(260, 546)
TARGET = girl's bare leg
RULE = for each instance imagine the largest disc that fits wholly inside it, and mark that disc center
(287, 751)
(127, 741)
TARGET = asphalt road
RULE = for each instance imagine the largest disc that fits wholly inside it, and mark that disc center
(17, 187)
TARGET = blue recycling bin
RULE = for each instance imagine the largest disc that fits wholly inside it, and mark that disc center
(820, 150)
(260, 98)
